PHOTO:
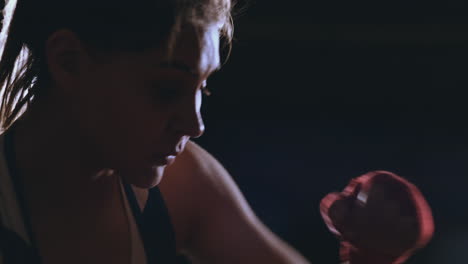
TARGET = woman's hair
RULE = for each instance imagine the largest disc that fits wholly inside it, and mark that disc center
(103, 25)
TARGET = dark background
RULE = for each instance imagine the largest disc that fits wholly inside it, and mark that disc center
(318, 92)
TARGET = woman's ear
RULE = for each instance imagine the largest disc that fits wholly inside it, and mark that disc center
(66, 57)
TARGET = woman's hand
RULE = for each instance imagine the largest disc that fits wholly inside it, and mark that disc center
(380, 218)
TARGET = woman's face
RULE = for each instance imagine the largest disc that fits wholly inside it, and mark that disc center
(136, 111)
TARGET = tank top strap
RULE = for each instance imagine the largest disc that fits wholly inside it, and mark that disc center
(154, 225)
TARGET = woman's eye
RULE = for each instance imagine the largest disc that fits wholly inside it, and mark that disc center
(206, 91)
(166, 93)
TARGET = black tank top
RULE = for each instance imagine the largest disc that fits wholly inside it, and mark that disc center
(153, 223)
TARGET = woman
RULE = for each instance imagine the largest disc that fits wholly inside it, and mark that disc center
(100, 99)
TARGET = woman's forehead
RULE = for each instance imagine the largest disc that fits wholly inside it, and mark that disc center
(193, 52)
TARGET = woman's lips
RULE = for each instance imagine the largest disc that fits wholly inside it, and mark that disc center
(164, 160)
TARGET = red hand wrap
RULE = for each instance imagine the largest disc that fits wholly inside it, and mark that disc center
(380, 217)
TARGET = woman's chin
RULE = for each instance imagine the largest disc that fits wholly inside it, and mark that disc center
(146, 178)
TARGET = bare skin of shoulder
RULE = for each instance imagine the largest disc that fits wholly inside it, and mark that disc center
(212, 220)
(176, 187)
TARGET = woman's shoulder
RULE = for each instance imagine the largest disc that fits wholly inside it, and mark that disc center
(178, 192)
(194, 170)
(193, 157)
(192, 182)
(182, 179)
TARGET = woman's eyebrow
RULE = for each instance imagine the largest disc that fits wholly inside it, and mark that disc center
(179, 65)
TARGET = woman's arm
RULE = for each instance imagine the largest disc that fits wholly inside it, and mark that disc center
(215, 224)
(224, 229)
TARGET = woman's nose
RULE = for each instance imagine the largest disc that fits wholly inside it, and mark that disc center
(195, 126)
(189, 121)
